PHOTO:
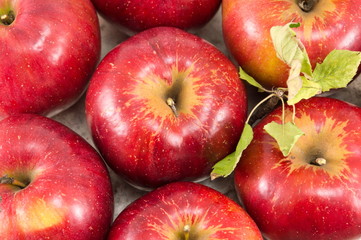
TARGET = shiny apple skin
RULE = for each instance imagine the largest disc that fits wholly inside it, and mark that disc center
(69, 195)
(48, 55)
(332, 24)
(163, 213)
(136, 131)
(138, 15)
(291, 199)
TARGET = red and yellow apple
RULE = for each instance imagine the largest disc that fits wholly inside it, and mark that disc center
(184, 210)
(49, 49)
(138, 15)
(53, 184)
(325, 25)
(164, 106)
(315, 191)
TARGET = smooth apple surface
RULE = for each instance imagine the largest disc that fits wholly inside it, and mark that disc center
(325, 25)
(165, 106)
(138, 15)
(314, 192)
(61, 188)
(184, 210)
(49, 49)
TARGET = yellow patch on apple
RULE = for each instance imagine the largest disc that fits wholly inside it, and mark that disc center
(325, 140)
(194, 224)
(314, 19)
(38, 215)
(180, 83)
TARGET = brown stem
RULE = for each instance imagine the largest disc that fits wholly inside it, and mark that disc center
(319, 161)
(12, 181)
(270, 105)
(7, 19)
(171, 104)
(307, 5)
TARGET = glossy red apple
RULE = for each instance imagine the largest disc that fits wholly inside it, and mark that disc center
(314, 192)
(325, 25)
(49, 49)
(138, 15)
(53, 184)
(165, 106)
(184, 210)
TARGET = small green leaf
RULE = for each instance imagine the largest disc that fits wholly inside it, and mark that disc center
(289, 48)
(308, 89)
(295, 25)
(226, 166)
(337, 69)
(286, 135)
(250, 79)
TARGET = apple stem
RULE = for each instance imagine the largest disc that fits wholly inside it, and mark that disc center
(270, 105)
(307, 5)
(186, 230)
(319, 161)
(9, 180)
(258, 105)
(7, 19)
(171, 104)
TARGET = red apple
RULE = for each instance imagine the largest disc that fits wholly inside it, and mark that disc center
(184, 210)
(138, 15)
(314, 192)
(48, 51)
(53, 184)
(165, 106)
(325, 25)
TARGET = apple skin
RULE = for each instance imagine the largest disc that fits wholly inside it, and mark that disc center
(331, 24)
(290, 198)
(48, 55)
(138, 15)
(138, 134)
(164, 212)
(69, 195)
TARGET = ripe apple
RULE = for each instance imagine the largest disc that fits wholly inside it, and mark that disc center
(325, 25)
(53, 184)
(165, 106)
(314, 192)
(138, 15)
(184, 210)
(49, 50)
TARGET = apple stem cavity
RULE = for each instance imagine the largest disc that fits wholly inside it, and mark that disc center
(171, 104)
(7, 19)
(12, 181)
(307, 5)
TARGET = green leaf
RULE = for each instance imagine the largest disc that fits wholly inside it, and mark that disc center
(337, 69)
(294, 25)
(308, 89)
(226, 166)
(289, 48)
(294, 81)
(250, 79)
(286, 135)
